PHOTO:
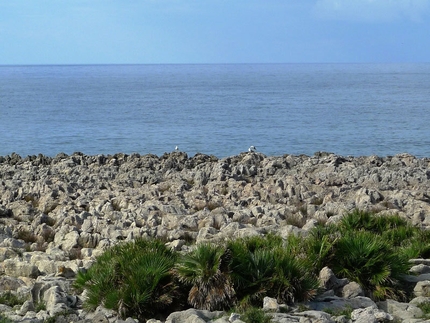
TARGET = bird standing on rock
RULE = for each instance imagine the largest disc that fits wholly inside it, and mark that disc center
(252, 149)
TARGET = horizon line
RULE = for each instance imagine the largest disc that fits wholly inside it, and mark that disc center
(261, 63)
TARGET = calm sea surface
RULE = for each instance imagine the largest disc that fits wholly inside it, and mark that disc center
(347, 109)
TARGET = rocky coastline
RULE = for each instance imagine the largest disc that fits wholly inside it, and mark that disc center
(58, 213)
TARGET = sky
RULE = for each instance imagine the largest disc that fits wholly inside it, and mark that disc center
(213, 31)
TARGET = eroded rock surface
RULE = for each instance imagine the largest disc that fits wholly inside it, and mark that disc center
(57, 214)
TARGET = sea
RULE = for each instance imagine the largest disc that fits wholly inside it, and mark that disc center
(216, 109)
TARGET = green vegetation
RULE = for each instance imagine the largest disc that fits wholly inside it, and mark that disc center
(40, 306)
(369, 260)
(425, 307)
(255, 315)
(134, 279)
(144, 278)
(347, 311)
(418, 246)
(268, 266)
(206, 270)
(10, 299)
(369, 249)
(5, 319)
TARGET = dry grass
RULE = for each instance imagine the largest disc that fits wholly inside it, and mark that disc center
(296, 220)
(26, 235)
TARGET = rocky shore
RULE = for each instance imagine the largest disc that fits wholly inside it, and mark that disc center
(57, 214)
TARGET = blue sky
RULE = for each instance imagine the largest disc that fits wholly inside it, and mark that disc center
(213, 31)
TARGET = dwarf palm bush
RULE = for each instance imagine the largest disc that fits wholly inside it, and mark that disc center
(271, 269)
(388, 222)
(319, 246)
(368, 221)
(356, 220)
(292, 281)
(398, 236)
(251, 272)
(206, 269)
(366, 248)
(369, 260)
(418, 246)
(134, 279)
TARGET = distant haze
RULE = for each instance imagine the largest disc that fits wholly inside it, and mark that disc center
(213, 31)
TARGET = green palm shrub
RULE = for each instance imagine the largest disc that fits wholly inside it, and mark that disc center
(369, 249)
(318, 246)
(268, 241)
(251, 272)
(355, 220)
(398, 236)
(368, 259)
(388, 222)
(206, 270)
(369, 221)
(292, 281)
(417, 246)
(274, 269)
(134, 279)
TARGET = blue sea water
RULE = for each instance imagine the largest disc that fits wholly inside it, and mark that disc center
(347, 109)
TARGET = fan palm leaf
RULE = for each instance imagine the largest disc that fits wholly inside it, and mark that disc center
(134, 279)
(206, 270)
(369, 260)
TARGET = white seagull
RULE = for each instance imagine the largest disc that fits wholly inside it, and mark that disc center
(176, 148)
(252, 149)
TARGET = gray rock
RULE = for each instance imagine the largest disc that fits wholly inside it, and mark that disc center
(99, 318)
(420, 261)
(220, 320)
(7, 253)
(420, 269)
(44, 283)
(328, 280)
(401, 311)
(270, 304)
(55, 299)
(26, 307)
(422, 288)
(370, 314)
(419, 300)
(16, 268)
(337, 303)
(8, 283)
(13, 243)
(352, 290)
(314, 317)
(285, 318)
(70, 240)
(192, 316)
(234, 317)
